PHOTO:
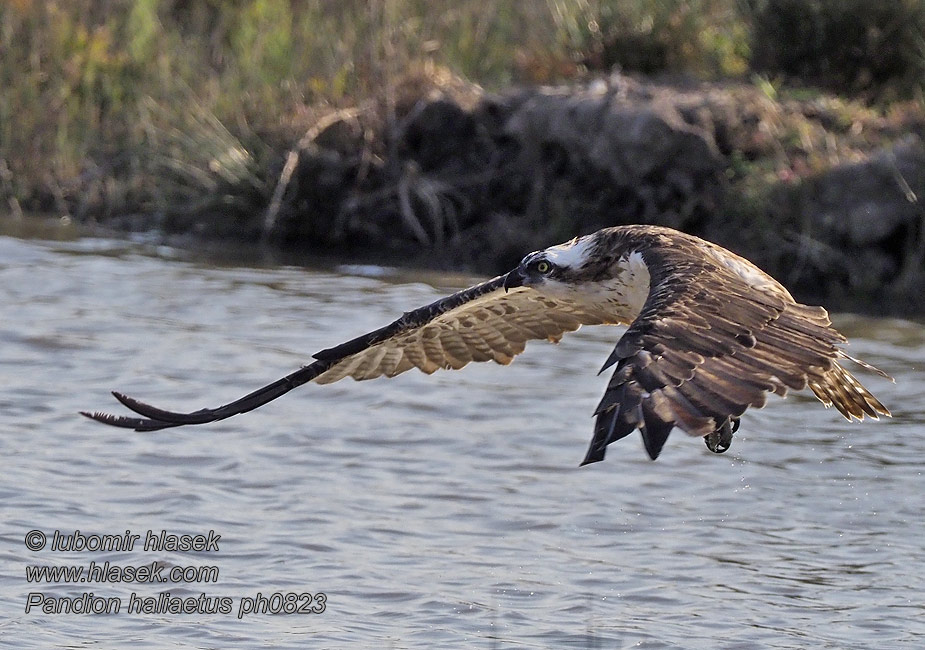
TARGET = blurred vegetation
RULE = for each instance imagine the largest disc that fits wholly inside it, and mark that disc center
(113, 105)
(704, 37)
(851, 46)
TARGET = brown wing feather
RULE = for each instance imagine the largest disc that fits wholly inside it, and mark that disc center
(713, 338)
(493, 327)
(481, 323)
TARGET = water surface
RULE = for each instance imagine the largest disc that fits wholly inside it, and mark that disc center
(442, 511)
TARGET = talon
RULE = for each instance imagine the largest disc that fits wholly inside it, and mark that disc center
(721, 439)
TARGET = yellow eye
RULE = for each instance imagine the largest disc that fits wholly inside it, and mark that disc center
(544, 267)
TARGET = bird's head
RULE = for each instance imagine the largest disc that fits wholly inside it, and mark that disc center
(599, 273)
(552, 268)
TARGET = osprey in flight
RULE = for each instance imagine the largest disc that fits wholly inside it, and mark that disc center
(709, 335)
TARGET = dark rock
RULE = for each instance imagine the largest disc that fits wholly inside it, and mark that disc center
(871, 202)
(477, 185)
(555, 162)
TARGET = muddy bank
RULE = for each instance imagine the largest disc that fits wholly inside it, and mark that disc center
(824, 194)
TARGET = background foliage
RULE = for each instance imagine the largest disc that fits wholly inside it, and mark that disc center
(101, 100)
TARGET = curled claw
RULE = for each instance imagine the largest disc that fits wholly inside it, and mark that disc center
(721, 439)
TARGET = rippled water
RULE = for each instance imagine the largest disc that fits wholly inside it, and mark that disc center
(442, 511)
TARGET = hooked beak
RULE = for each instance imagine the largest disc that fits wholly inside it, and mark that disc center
(514, 279)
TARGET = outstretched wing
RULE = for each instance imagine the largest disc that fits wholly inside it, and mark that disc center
(481, 323)
(715, 336)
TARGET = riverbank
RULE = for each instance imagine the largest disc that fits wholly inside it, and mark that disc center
(821, 192)
(232, 124)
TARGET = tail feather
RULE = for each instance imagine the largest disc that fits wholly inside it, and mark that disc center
(865, 365)
(841, 389)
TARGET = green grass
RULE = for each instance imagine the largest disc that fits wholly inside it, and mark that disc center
(112, 105)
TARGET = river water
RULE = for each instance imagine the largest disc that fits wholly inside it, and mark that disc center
(441, 511)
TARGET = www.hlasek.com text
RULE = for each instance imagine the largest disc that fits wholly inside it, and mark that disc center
(150, 573)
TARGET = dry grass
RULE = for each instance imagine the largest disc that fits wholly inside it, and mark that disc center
(116, 105)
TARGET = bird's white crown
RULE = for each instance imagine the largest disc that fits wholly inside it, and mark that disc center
(572, 254)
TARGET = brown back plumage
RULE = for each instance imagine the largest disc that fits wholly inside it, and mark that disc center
(708, 344)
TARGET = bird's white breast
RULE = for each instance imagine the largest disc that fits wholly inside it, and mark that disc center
(629, 288)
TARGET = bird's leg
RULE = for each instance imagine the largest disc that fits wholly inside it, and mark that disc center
(721, 439)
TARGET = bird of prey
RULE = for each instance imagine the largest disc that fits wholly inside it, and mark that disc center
(709, 335)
